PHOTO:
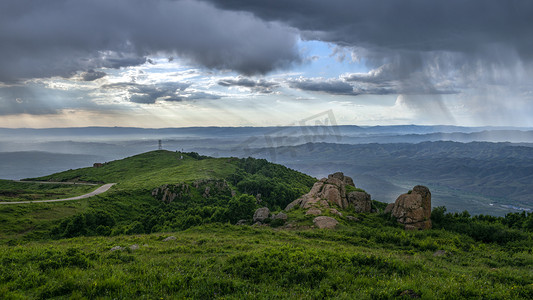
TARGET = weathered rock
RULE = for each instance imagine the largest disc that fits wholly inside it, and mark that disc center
(117, 248)
(280, 216)
(324, 222)
(333, 195)
(326, 192)
(414, 209)
(208, 187)
(261, 214)
(170, 238)
(241, 222)
(335, 212)
(134, 247)
(389, 208)
(440, 253)
(313, 211)
(295, 203)
(360, 201)
(346, 180)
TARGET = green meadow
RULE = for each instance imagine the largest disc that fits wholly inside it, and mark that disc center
(128, 243)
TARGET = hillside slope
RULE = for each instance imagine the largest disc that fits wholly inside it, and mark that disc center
(166, 231)
(131, 207)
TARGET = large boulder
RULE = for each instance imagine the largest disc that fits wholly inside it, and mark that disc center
(414, 209)
(325, 222)
(261, 214)
(340, 176)
(326, 191)
(361, 201)
(280, 216)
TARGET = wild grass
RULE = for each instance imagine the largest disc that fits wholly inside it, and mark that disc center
(235, 262)
(371, 257)
(29, 191)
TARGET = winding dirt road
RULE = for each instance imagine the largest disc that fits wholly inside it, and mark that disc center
(98, 191)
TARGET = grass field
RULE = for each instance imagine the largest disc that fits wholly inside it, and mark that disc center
(64, 250)
(11, 191)
(244, 262)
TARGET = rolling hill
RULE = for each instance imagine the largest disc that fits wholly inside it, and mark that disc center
(166, 230)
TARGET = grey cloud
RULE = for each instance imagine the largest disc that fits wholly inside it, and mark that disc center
(92, 75)
(452, 25)
(150, 93)
(260, 85)
(440, 45)
(60, 38)
(194, 95)
(330, 86)
(398, 77)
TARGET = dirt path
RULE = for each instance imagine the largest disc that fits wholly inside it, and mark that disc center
(98, 191)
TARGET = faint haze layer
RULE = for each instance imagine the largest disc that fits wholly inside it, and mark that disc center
(483, 170)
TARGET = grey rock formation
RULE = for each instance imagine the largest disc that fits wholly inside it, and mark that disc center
(389, 208)
(313, 211)
(414, 209)
(261, 214)
(280, 216)
(335, 212)
(207, 187)
(324, 222)
(360, 201)
(326, 191)
(241, 222)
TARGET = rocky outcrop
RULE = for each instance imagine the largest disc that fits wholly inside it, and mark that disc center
(261, 214)
(241, 222)
(335, 212)
(361, 201)
(314, 211)
(324, 222)
(280, 216)
(340, 176)
(332, 191)
(206, 188)
(413, 209)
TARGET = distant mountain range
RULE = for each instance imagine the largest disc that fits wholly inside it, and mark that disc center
(481, 169)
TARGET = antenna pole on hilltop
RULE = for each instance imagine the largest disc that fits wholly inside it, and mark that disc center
(160, 145)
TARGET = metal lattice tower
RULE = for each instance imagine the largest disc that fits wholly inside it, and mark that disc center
(160, 145)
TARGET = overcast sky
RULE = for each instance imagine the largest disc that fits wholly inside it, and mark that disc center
(172, 63)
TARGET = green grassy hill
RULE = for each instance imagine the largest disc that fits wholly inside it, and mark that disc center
(115, 246)
(129, 207)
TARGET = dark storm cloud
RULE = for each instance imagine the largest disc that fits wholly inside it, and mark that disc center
(150, 93)
(260, 85)
(420, 25)
(61, 37)
(329, 86)
(398, 78)
(422, 41)
(92, 75)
